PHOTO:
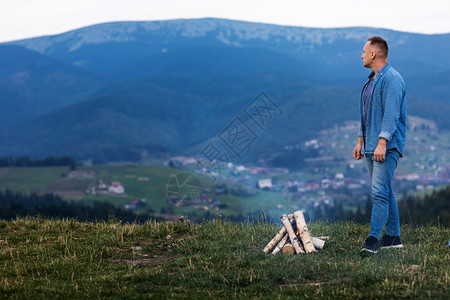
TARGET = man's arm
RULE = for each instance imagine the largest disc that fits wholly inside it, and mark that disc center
(393, 93)
(358, 148)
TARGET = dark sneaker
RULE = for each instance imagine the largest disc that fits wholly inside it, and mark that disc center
(371, 245)
(389, 241)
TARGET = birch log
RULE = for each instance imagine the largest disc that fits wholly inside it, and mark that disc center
(275, 240)
(303, 231)
(291, 217)
(292, 236)
(280, 244)
(318, 243)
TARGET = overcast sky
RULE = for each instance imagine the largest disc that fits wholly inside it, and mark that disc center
(30, 18)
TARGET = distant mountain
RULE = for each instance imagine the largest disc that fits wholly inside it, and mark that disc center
(32, 84)
(173, 113)
(206, 61)
(116, 90)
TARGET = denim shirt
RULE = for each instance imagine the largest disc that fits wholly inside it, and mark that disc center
(386, 117)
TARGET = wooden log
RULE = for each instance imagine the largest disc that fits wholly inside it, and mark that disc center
(275, 240)
(288, 249)
(291, 233)
(294, 226)
(303, 232)
(291, 218)
(323, 237)
(280, 244)
(318, 243)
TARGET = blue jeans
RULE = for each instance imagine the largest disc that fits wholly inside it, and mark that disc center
(385, 209)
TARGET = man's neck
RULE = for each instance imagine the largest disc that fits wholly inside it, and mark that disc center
(377, 67)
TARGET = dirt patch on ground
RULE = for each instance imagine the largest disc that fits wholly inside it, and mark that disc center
(313, 283)
(155, 260)
(148, 259)
(152, 260)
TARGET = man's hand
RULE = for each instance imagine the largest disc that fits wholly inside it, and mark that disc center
(357, 151)
(380, 152)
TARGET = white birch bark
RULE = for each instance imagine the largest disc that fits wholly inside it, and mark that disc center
(280, 244)
(303, 231)
(318, 243)
(275, 240)
(292, 236)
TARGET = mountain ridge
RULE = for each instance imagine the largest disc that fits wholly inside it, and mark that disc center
(199, 28)
(135, 40)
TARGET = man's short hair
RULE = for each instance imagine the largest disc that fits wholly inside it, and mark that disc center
(380, 43)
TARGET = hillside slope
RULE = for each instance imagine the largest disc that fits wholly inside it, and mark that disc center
(32, 84)
(175, 115)
(181, 114)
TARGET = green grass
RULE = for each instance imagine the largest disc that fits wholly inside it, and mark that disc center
(74, 260)
(155, 188)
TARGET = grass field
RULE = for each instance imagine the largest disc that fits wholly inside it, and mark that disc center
(32, 179)
(153, 189)
(42, 259)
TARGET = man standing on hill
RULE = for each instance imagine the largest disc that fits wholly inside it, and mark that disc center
(381, 138)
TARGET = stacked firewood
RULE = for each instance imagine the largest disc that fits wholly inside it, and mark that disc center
(294, 237)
